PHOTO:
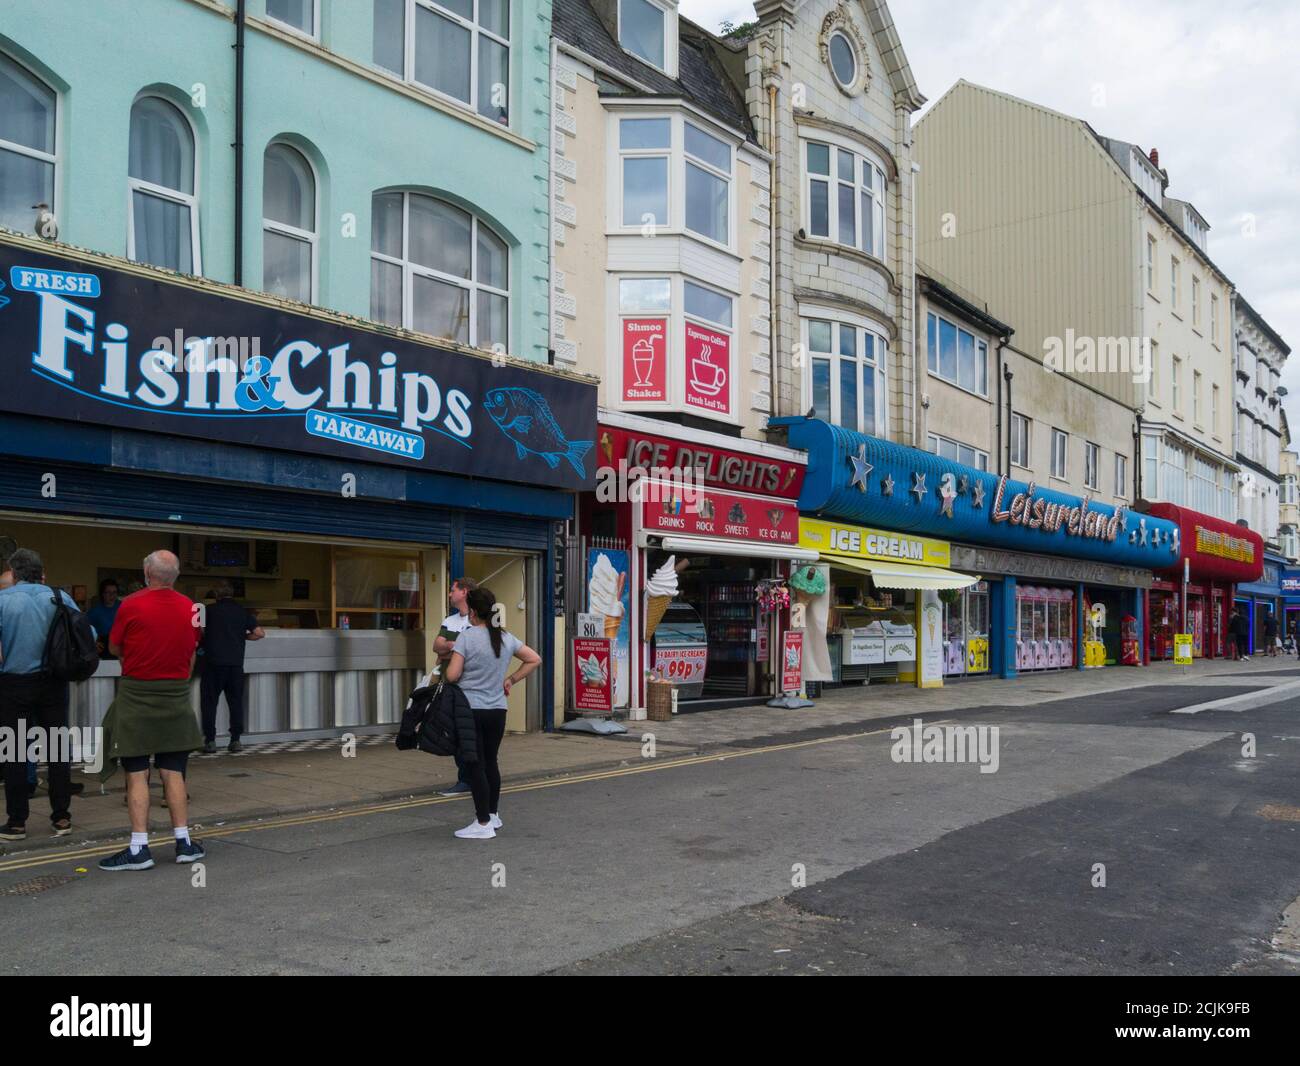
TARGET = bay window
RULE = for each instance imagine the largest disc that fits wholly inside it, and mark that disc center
(845, 196)
(458, 49)
(957, 355)
(27, 146)
(674, 175)
(847, 375)
(437, 269)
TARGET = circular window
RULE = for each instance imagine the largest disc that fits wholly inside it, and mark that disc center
(844, 63)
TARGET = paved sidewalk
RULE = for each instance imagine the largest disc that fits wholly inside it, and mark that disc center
(261, 784)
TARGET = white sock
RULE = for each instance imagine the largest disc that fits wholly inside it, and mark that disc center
(182, 832)
(138, 841)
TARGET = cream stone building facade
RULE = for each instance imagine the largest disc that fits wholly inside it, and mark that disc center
(1259, 355)
(831, 98)
(660, 220)
(1074, 238)
(988, 404)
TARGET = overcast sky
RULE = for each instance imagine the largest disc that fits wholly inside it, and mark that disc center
(1214, 86)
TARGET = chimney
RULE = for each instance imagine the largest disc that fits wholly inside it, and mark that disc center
(1155, 158)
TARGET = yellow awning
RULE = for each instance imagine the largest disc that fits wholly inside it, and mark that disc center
(889, 576)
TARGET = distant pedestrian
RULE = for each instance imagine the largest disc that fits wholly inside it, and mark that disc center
(227, 628)
(155, 635)
(29, 696)
(452, 627)
(1270, 633)
(480, 665)
(103, 613)
(1239, 631)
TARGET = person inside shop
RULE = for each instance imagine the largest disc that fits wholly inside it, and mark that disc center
(1270, 634)
(480, 665)
(28, 694)
(452, 627)
(228, 628)
(103, 613)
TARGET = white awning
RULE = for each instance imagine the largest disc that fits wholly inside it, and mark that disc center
(902, 576)
(741, 548)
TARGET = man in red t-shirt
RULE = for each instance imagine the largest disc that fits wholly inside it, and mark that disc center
(154, 635)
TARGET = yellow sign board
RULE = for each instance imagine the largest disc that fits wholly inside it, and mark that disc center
(1182, 649)
(1212, 542)
(858, 542)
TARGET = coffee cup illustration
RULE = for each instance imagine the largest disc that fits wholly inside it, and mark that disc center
(643, 360)
(706, 377)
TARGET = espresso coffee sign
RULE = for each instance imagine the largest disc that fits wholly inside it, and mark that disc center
(708, 369)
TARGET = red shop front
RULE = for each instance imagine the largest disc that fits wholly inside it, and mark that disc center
(1214, 556)
(705, 526)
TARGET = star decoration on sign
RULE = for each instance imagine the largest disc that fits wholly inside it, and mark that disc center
(963, 483)
(887, 486)
(947, 494)
(1142, 532)
(977, 495)
(918, 486)
(861, 469)
(1175, 540)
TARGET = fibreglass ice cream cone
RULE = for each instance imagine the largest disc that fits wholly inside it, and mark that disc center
(655, 608)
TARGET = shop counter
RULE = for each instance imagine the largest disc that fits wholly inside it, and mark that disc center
(318, 679)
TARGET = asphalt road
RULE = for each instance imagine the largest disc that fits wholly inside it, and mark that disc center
(810, 854)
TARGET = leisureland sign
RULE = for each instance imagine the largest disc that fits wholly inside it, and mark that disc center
(85, 342)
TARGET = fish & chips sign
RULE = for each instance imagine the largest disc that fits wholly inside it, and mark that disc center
(83, 342)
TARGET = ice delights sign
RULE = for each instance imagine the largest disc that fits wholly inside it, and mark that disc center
(84, 342)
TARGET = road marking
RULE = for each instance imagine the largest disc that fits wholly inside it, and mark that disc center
(25, 862)
(1258, 698)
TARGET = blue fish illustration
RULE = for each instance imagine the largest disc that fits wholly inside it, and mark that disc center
(3, 299)
(524, 416)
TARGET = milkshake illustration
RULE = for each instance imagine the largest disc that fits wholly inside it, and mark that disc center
(605, 594)
(643, 360)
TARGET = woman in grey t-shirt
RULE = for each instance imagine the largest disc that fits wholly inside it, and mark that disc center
(480, 664)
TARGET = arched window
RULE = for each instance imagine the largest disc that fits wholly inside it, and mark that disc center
(288, 224)
(162, 210)
(437, 269)
(27, 146)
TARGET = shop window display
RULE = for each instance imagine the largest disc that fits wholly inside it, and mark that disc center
(966, 630)
(1044, 628)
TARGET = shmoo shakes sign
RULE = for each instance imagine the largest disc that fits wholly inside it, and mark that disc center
(83, 342)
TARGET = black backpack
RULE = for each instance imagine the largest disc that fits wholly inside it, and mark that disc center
(70, 652)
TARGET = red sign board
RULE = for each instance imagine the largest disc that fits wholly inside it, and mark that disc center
(593, 683)
(682, 666)
(645, 360)
(792, 661)
(727, 515)
(708, 369)
(722, 468)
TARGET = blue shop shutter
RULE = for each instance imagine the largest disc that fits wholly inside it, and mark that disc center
(95, 493)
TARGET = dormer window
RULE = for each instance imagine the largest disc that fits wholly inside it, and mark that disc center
(648, 29)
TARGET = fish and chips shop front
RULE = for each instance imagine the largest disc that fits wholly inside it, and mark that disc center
(333, 473)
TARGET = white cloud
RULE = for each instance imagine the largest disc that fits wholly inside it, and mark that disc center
(1213, 86)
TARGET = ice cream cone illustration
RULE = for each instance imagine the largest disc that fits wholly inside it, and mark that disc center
(660, 591)
(613, 623)
(606, 595)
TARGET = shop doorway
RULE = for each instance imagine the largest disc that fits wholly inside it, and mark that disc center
(966, 631)
(513, 579)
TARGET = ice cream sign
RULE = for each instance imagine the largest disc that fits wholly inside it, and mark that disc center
(728, 515)
(82, 341)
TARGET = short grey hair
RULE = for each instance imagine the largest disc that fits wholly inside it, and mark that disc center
(157, 565)
(27, 566)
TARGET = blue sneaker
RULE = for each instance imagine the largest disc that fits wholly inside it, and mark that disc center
(458, 789)
(189, 852)
(124, 860)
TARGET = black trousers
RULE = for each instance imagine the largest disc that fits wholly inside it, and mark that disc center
(215, 681)
(39, 703)
(1242, 650)
(485, 775)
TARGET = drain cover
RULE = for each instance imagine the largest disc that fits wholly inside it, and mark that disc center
(1278, 812)
(38, 884)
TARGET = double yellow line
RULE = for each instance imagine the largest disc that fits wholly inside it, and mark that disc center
(49, 858)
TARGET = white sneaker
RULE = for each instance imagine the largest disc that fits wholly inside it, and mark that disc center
(474, 831)
(495, 821)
